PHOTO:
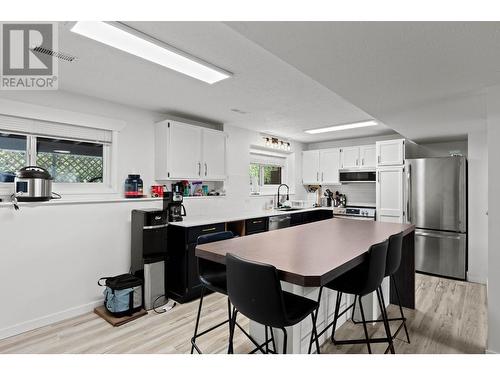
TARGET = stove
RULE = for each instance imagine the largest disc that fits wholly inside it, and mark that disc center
(354, 212)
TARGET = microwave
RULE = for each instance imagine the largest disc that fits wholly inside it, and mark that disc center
(358, 176)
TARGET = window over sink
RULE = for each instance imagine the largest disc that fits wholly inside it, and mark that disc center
(266, 173)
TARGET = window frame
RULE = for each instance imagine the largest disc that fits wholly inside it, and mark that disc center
(269, 189)
(261, 166)
(108, 186)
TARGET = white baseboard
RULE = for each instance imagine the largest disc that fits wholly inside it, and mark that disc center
(477, 279)
(48, 319)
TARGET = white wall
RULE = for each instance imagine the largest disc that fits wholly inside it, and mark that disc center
(493, 118)
(478, 206)
(441, 149)
(53, 255)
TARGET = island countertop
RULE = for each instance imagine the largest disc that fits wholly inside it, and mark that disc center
(213, 218)
(309, 254)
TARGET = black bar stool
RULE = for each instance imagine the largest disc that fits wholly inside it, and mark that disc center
(255, 290)
(394, 253)
(361, 280)
(213, 277)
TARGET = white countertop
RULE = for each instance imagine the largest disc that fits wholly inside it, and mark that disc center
(195, 220)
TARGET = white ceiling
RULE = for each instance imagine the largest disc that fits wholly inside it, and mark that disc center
(276, 97)
(426, 80)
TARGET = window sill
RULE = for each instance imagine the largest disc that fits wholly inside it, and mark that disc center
(59, 202)
(265, 194)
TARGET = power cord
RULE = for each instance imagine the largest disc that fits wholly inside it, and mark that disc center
(165, 308)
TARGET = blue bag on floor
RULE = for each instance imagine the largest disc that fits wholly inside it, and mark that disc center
(123, 294)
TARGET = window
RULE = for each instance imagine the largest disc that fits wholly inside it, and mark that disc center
(272, 174)
(266, 173)
(78, 158)
(71, 161)
(66, 161)
(12, 155)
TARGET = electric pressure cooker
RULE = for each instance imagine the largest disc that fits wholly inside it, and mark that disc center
(33, 184)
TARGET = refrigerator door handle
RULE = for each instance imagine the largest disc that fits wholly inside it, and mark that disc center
(436, 235)
(408, 194)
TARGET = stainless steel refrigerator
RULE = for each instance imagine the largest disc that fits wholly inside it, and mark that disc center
(436, 200)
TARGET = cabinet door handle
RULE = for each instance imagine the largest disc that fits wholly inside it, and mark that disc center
(322, 176)
(199, 169)
(205, 169)
(317, 176)
(256, 221)
(363, 161)
(378, 159)
(208, 229)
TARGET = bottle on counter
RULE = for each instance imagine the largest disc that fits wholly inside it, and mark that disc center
(134, 186)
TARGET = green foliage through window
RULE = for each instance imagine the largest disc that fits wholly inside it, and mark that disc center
(265, 174)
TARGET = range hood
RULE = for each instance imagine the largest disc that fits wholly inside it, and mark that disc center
(357, 176)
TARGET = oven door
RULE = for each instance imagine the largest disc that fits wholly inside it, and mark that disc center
(366, 218)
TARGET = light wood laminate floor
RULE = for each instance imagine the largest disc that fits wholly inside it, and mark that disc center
(450, 318)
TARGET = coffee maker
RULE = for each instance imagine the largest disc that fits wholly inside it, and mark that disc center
(172, 204)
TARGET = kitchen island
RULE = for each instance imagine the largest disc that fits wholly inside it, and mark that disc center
(182, 281)
(310, 255)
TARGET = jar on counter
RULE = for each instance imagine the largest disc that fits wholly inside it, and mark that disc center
(134, 186)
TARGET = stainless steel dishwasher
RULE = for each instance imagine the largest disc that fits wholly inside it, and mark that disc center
(279, 221)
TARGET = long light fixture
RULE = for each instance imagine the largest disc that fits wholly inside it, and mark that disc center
(125, 38)
(361, 124)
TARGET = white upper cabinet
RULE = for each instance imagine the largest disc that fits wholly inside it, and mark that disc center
(321, 167)
(350, 157)
(329, 162)
(310, 167)
(184, 151)
(390, 194)
(368, 156)
(358, 157)
(189, 152)
(214, 155)
(390, 152)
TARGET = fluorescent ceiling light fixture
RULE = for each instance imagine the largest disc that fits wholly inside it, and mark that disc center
(354, 125)
(127, 39)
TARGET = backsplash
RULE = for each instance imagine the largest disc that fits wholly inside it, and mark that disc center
(358, 193)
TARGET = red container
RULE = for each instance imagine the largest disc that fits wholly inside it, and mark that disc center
(157, 191)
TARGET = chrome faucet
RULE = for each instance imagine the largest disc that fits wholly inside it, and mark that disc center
(278, 204)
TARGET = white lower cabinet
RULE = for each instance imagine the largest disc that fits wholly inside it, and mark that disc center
(299, 335)
(390, 194)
